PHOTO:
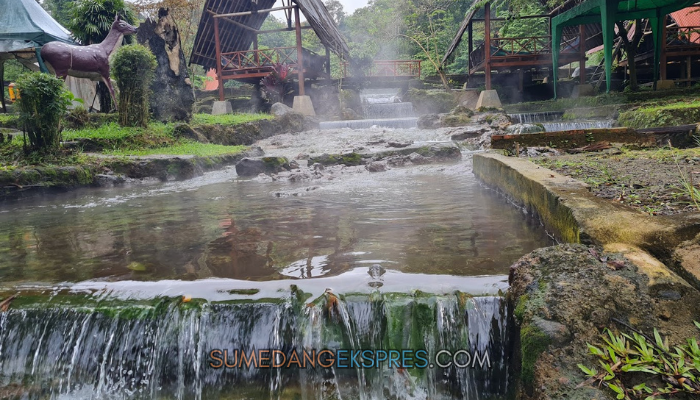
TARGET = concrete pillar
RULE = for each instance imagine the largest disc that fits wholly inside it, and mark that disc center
(303, 105)
(488, 99)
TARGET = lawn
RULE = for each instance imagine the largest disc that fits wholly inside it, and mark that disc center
(180, 149)
(227, 119)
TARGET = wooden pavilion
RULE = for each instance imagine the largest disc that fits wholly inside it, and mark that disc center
(227, 39)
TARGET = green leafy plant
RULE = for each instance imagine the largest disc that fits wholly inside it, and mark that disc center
(133, 68)
(639, 367)
(42, 104)
(688, 187)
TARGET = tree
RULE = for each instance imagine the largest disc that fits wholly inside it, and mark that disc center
(90, 23)
(59, 10)
(631, 46)
(335, 8)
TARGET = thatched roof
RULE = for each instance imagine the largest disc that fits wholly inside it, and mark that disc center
(236, 38)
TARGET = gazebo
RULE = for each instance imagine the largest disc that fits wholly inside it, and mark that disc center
(24, 28)
(227, 39)
(607, 12)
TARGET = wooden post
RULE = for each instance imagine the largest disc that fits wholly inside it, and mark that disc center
(300, 57)
(470, 37)
(689, 70)
(582, 54)
(328, 62)
(664, 61)
(218, 59)
(487, 44)
(255, 49)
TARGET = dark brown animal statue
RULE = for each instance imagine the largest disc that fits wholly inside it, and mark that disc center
(87, 61)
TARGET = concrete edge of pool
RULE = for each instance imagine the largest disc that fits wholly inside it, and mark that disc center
(565, 296)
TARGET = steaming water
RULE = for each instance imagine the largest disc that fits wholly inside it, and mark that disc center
(535, 118)
(381, 108)
(113, 264)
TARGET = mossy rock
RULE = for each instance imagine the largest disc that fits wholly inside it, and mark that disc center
(668, 115)
(431, 101)
(348, 159)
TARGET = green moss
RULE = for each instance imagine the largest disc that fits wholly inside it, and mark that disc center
(521, 307)
(674, 114)
(274, 163)
(533, 342)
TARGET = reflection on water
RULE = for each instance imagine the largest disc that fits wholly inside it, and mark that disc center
(426, 221)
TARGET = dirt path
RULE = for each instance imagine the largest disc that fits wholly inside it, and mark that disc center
(656, 182)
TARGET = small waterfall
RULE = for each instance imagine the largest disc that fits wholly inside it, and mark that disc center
(537, 117)
(574, 125)
(162, 349)
(381, 108)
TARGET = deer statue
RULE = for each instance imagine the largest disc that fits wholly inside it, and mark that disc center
(87, 61)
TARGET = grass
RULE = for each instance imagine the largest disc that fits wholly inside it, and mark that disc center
(114, 132)
(179, 149)
(227, 119)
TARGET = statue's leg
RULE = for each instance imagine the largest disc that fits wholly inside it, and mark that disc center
(107, 82)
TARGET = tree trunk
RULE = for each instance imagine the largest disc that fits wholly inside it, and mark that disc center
(2, 84)
(171, 96)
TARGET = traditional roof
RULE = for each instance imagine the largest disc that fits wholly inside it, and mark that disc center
(24, 25)
(234, 37)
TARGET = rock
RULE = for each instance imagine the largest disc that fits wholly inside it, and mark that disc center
(376, 271)
(519, 129)
(186, 131)
(310, 123)
(261, 165)
(350, 114)
(292, 122)
(416, 158)
(293, 164)
(429, 121)
(171, 96)
(279, 110)
(302, 156)
(398, 145)
(105, 180)
(556, 332)
(255, 151)
(376, 166)
(496, 119)
(563, 296)
(467, 133)
(347, 159)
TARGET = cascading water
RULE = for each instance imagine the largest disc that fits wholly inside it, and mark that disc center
(161, 349)
(381, 107)
(573, 125)
(551, 121)
(536, 117)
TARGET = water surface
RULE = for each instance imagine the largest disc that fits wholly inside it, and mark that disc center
(431, 220)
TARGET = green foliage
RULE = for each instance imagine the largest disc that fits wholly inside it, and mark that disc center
(43, 102)
(133, 68)
(639, 367)
(91, 20)
(60, 10)
(227, 119)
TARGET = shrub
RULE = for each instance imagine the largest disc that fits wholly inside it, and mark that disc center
(42, 105)
(132, 68)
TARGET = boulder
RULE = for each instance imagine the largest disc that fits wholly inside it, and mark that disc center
(279, 109)
(255, 166)
(429, 121)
